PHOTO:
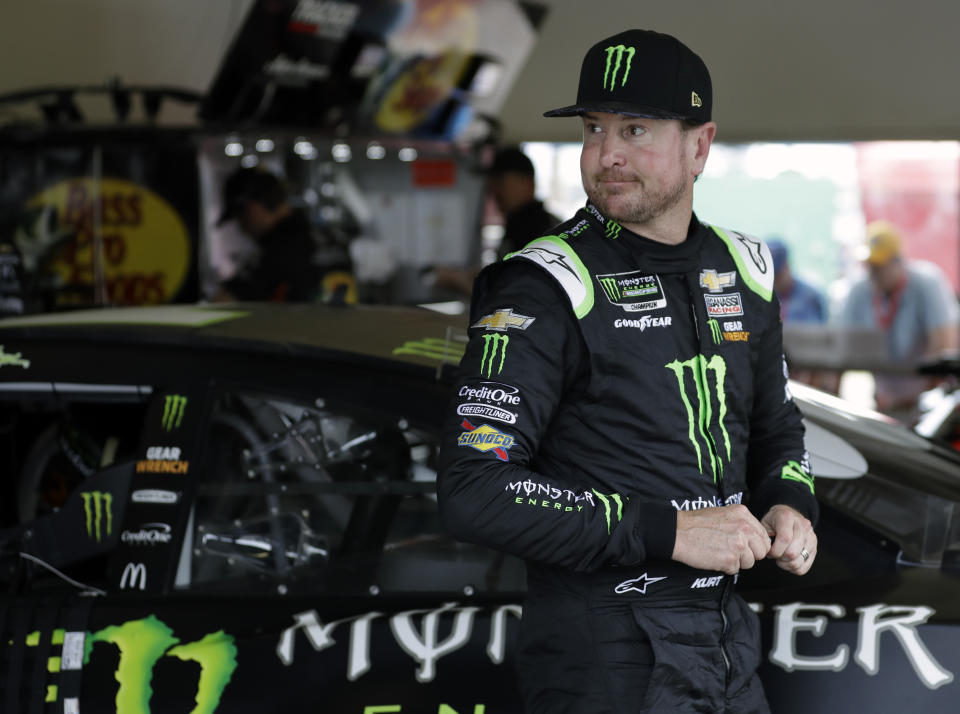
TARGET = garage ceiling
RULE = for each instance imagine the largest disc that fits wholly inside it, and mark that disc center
(816, 70)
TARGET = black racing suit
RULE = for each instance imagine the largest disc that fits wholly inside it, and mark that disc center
(609, 382)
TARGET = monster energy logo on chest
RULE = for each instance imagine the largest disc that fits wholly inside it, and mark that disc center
(615, 61)
(715, 331)
(702, 417)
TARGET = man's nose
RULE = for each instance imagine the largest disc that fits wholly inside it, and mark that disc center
(611, 151)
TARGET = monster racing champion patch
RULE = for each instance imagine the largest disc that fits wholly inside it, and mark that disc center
(486, 438)
(633, 291)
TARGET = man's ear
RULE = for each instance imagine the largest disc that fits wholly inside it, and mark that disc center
(701, 138)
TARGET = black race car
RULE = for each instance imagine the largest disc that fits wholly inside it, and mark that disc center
(231, 509)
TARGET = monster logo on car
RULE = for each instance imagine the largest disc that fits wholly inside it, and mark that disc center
(174, 406)
(143, 642)
(98, 509)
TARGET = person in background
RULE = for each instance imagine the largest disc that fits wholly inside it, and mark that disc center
(511, 182)
(622, 420)
(286, 267)
(912, 302)
(800, 303)
(799, 300)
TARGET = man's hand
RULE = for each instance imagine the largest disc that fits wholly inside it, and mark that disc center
(726, 538)
(794, 542)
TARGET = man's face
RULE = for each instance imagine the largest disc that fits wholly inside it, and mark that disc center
(886, 277)
(636, 170)
(255, 219)
(510, 190)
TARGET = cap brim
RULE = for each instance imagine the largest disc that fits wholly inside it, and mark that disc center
(625, 108)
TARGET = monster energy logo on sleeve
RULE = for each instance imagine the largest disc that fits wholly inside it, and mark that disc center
(715, 331)
(793, 471)
(493, 344)
(174, 406)
(615, 58)
(605, 500)
(700, 418)
(97, 507)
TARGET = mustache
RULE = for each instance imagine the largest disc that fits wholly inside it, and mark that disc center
(604, 176)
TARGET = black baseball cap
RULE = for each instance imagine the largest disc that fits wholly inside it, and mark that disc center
(249, 184)
(642, 73)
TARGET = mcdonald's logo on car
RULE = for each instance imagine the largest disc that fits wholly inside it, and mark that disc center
(134, 573)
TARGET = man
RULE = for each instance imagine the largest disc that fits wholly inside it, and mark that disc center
(511, 182)
(622, 375)
(799, 300)
(912, 302)
(286, 268)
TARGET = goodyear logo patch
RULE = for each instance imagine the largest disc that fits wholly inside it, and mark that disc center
(486, 438)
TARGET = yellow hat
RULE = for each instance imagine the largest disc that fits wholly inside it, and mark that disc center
(883, 243)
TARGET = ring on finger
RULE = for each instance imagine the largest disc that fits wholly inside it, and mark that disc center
(805, 554)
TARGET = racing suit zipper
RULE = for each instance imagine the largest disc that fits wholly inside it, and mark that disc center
(727, 588)
(710, 445)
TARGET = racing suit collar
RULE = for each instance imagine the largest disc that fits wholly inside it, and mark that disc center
(650, 255)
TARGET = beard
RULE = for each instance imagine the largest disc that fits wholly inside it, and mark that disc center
(638, 205)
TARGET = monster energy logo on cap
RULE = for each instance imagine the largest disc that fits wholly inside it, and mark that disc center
(700, 418)
(615, 59)
(174, 406)
(97, 507)
(492, 344)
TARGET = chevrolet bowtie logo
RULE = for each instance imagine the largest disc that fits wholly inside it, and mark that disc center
(716, 282)
(503, 320)
(637, 584)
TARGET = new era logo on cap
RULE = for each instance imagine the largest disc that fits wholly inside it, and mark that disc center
(642, 73)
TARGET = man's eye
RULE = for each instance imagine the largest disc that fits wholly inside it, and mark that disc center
(636, 131)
